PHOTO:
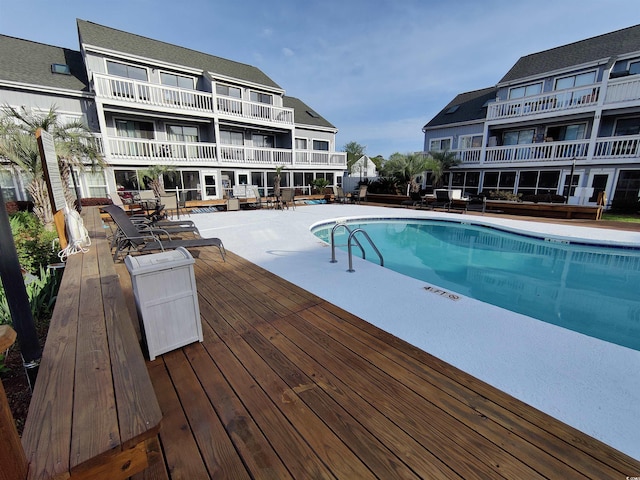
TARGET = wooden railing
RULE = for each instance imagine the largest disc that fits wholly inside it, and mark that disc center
(316, 157)
(538, 152)
(94, 412)
(623, 90)
(234, 107)
(238, 154)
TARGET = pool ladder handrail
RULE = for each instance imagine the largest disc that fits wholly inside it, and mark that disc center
(352, 236)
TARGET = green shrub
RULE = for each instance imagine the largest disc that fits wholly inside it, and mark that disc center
(42, 291)
(35, 245)
(504, 195)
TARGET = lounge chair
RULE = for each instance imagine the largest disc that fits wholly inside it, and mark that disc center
(170, 204)
(339, 195)
(130, 237)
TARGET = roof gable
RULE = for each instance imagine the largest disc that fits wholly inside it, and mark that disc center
(578, 53)
(119, 41)
(28, 62)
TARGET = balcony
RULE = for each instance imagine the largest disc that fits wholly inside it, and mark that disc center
(153, 151)
(151, 95)
(547, 103)
(240, 155)
(538, 152)
(315, 157)
(154, 96)
(606, 148)
(240, 109)
(625, 89)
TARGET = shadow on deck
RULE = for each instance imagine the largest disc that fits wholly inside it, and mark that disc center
(286, 385)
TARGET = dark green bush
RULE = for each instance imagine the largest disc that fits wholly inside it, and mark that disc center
(36, 246)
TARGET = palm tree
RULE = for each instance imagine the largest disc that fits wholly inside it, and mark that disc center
(406, 167)
(74, 143)
(154, 173)
(439, 162)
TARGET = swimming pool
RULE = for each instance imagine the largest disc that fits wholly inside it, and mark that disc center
(586, 288)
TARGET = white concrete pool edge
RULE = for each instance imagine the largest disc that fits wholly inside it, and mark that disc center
(587, 383)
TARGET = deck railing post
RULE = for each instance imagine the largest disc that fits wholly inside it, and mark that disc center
(12, 457)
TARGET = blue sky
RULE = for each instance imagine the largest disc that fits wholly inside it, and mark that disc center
(378, 70)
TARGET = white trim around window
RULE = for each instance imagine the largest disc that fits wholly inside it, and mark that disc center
(440, 144)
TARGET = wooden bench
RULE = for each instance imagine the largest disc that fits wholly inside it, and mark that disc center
(549, 210)
(94, 413)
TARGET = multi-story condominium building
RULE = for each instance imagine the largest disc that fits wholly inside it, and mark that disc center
(562, 121)
(217, 123)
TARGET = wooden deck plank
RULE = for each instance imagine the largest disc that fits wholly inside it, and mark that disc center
(270, 412)
(180, 449)
(320, 393)
(47, 434)
(257, 453)
(93, 388)
(216, 448)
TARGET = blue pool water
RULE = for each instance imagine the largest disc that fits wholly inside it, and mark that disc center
(589, 289)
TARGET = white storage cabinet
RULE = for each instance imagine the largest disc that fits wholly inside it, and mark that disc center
(164, 288)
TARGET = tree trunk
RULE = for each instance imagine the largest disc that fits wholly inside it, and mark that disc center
(41, 204)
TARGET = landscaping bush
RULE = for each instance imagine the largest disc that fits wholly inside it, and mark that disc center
(42, 290)
(95, 201)
(36, 246)
(504, 195)
(625, 205)
(544, 197)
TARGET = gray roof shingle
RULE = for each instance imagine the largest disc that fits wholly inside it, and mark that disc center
(608, 45)
(109, 38)
(305, 115)
(470, 106)
(27, 62)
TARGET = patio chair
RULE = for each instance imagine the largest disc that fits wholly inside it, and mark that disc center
(443, 199)
(287, 198)
(130, 237)
(339, 195)
(170, 203)
(362, 193)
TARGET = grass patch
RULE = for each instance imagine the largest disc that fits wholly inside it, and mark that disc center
(621, 217)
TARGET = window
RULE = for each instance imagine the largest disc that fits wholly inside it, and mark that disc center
(538, 182)
(499, 181)
(182, 133)
(228, 91)
(60, 68)
(179, 81)
(127, 71)
(470, 141)
(228, 137)
(261, 98)
(264, 141)
(8, 185)
(567, 132)
(301, 143)
(96, 184)
(439, 144)
(525, 90)
(321, 145)
(634, 67)
(135, 129)
(579, 80)
(468, 181)
(518, 137)
(627, 126)
(628, 187)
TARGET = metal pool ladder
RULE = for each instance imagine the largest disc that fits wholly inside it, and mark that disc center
(352, 237)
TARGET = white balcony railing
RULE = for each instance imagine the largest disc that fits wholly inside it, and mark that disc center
(469, 156)
(157, 151)
(134, 91)
(235, 107)
(315, 157)
(626, 89)
(618, 147)
(253, 155)
(545, 103)
(538, 152)
(144, 93)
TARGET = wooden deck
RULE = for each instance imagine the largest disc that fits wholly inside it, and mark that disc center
(286, 385)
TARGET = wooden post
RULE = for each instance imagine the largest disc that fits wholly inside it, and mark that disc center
(12, 457)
